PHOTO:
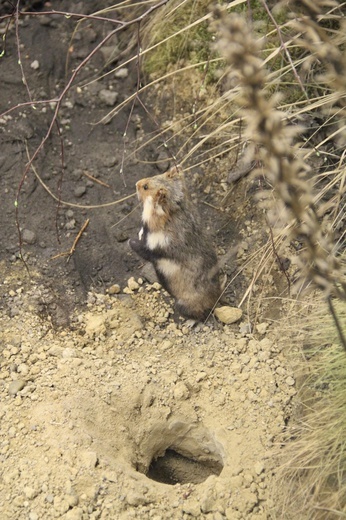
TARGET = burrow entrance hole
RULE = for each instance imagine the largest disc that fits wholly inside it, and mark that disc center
(180, 454)
(174, 468)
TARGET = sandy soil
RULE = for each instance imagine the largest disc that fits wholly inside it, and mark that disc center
(110, 409)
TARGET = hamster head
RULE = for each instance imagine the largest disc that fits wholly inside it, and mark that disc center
(161, 195)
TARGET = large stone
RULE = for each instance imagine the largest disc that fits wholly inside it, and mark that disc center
(228, 314)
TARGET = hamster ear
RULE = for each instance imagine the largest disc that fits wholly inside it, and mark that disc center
(174, 172)
(161, 196)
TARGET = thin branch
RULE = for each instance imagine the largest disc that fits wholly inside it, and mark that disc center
(96, 180)
(75, 242)
(19, 53)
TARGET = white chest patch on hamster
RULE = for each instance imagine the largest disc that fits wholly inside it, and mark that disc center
(157, 239)
(149, 210)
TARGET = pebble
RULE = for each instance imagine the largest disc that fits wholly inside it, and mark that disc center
(132, 284)
(35, 65)
(16, 386)
(109, 53)
(29, 237)
(121, 73)
(290, 381)
(162, 162)
(71, 224)
(108, 97)
(259, 467)
(135, 499)
(192, 508)
(262, 327)
(228, 314)
(200, 376)
(114, 289)
(30, 492)
(79, 191)
(89, 459)
(74, 514)
(181, 392)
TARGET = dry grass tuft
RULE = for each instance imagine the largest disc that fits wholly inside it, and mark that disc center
(314, 471)
(311, 481)
(284, 166)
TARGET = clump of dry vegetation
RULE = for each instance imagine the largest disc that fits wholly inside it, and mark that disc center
(311, 481)
(315, 464)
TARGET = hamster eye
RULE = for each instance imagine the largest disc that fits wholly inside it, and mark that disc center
(145, 187)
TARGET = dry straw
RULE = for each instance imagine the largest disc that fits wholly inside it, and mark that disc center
(281, 157)
(313, 484)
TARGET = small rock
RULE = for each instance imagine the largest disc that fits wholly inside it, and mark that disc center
(71, 224)
(132, 284)
(108, 97)
(109, 160)
(162, 162)
(95, 325)
(245, 328)
(181, 392)
(228, 314)
(35, 65)
(74, 514)
(290, 381)
(207, 503)
(79, 191)
(30, 492)
(23, 369)
(200, 376)
(68, 353)
(121, 236)
(135, 499)
(33, 515)
(259, 467)
(262, 328)
(109, 53)
(192, 508)
(148, 272)
(29, 237)
(114, 289)
(121, 73)
(16, 386)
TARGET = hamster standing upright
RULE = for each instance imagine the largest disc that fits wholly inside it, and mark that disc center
(174, 241)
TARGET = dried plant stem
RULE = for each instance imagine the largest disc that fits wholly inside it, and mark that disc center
(75, 242)
(284, 168)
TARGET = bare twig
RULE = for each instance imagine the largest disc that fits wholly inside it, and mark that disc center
(75, 242)
(19, 53)
(96, 180)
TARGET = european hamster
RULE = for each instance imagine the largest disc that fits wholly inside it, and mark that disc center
(173, 239)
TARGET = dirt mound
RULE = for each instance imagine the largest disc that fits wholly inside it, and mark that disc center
(130, 415)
